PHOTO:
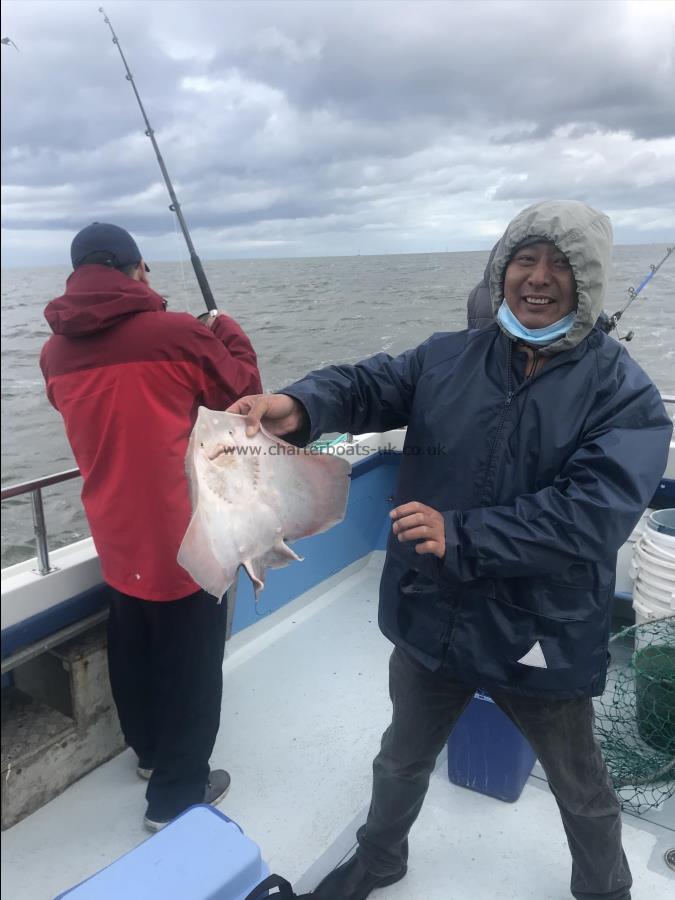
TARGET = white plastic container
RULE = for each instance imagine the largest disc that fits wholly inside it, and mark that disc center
(653, 568)
(624, 562)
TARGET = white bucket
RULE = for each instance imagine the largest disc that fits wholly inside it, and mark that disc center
(624, 573)
(653, 568)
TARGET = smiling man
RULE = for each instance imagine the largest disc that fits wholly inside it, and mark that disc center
(540, 298)
(501, 559)
(539, 286)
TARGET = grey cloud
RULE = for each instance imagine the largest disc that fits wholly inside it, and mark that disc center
(617, 194)
(489, 63)
(354, 115)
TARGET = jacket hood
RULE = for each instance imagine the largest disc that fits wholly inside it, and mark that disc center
(584, 235)
(96, 298)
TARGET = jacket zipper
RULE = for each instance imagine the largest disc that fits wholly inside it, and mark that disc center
(446, 636)
(510, 394)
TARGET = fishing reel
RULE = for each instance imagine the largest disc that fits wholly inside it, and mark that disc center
(611, 323)
(206, 318)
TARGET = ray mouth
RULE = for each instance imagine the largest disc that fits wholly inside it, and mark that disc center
(215, 452)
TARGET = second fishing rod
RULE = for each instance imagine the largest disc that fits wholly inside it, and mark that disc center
(175, 205)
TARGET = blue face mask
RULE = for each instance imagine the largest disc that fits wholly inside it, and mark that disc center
(537, 336)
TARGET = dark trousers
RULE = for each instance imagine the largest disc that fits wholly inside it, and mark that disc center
(166, 671)
(426, 707)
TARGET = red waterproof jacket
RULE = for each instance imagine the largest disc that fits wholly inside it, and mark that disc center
(127, 377)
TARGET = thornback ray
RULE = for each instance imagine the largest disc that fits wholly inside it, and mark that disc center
(249, 496)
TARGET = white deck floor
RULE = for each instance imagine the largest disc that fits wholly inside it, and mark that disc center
(304, 705)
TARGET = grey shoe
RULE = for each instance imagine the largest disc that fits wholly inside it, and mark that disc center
(217, 786)
(154, 824)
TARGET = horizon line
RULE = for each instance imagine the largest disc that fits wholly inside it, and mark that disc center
(368, 253)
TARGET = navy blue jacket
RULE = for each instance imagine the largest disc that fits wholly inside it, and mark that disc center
(540, 481)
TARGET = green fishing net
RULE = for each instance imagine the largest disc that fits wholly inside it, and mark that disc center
(635, 717)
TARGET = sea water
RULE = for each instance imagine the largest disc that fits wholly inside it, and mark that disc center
(300, 314)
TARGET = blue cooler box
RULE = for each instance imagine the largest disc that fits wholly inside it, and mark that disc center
(487, 753)
(201, 855)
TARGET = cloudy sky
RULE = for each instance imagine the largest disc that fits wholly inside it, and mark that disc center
(318, 128)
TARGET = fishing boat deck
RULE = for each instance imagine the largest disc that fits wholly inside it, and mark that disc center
(305, 702)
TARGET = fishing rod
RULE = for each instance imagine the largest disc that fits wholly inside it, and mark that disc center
(175, 205)
(613, 321)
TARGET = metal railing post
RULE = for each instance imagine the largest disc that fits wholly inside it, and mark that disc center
(40, 532)
(34, 488)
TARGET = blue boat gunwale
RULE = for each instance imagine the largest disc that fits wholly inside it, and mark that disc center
(372, 477)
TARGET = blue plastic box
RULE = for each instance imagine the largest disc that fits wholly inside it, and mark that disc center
(201, 855)
(487, 753)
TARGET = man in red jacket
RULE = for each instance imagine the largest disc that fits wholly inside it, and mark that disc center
(128, 378)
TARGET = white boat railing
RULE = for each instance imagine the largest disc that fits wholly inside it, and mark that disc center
(34, 488)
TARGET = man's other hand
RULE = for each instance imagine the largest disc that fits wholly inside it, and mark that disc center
(209, 319)
(416, 522)
(279, 413)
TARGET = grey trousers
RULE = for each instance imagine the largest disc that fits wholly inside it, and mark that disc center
(426, 707)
